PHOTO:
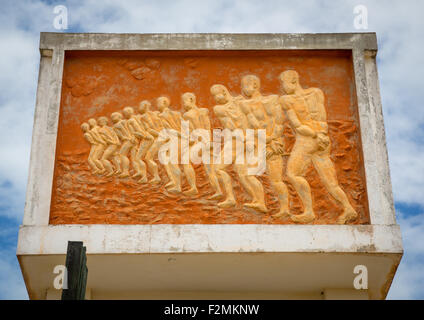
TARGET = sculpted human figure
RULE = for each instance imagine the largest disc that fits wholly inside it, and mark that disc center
(100, 145)
(113, 144)
(146, 140)
(264, 112)
(308, 118)
(153, 125)
(85, 127)
(231, 116)
(198, 118)
(171, 120)
(128, 142)
(138, 133)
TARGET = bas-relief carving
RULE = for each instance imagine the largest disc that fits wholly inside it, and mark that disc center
(126, 146)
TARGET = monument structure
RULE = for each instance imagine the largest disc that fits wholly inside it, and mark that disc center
(211, 166)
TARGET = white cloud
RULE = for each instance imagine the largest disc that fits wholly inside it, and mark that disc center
(409, 279)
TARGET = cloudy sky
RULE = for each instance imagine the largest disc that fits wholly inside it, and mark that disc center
(398, 24)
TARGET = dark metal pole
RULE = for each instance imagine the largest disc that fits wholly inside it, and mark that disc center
(76, 266)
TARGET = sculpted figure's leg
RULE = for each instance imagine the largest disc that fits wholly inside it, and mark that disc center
(253, 187)
(225, 179)
(109, 152)
(296, 166)
(213, 179)
(141, 152)
(151, 164)
(191, 179)
(124, 159)
(327, 173)
(275, 172)
(97, 154)
(91, 162)
(174, 174)
(138, 164)
(117, 162)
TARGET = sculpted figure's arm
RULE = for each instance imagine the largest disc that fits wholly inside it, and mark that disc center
(136, 129)
(105, 136)
(96, 136)
(223, 118)
(273, 110)
(323, 113)
(287, 104)
(152, 126)
(145, 128)
(245, 108)
(120, 132)
(89, 138)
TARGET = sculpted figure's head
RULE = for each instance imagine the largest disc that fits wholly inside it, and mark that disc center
(85, 127)
(128, 112)
(250, 84)
(290, 81)
(162, 103)
(102, 121)
(188, 100)
(220, 93)
(144, 106)
(116, 116)
(92, 122)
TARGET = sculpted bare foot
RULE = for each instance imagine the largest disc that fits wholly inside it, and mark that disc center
(256, 206)
(306, 217)
(191, 192)
(155, 180)
(347, 216)
(216, 196)
(227, 203)
(142, 180)
(282, 214)
(174, 190)
(124, 175)
(138, 174)
(170, 184)
(109, 174)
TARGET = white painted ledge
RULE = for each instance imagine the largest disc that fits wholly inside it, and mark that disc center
(121, 239)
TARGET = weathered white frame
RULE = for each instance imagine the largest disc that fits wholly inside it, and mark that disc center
(382, 235)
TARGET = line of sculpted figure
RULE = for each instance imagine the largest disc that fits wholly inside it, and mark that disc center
(264, 112)
(99, 145)
(128, 143)
(171, 121)
(232, 117)
(136, 136)
(198, 118)
(307, 116)
(113, 144)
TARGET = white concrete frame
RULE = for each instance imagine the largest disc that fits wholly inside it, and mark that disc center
(37, 237)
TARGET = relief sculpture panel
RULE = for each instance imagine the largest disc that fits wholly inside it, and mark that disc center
(268, 137)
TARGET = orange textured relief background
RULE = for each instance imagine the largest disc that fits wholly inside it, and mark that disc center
(98, 83)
